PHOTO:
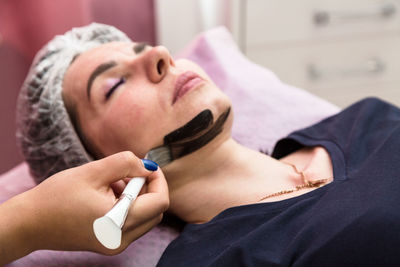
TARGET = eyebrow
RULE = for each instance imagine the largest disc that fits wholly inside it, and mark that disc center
(99, 70)
(137, 49)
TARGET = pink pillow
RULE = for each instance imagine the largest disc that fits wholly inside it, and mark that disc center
(265, 110)
(15, 181)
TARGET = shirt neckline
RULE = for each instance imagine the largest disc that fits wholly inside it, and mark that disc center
(339, 173)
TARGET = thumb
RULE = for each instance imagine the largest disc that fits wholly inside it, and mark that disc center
(119, 166)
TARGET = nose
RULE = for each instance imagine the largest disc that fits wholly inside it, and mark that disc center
(158, 62)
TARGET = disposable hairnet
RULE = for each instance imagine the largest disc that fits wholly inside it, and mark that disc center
(45, 133)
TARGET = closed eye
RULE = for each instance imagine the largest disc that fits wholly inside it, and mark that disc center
(114, 87)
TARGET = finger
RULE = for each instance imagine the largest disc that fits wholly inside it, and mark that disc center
(116, 167)
(156, 199)
(143, 190)
(156, 183)
(146, 207)
(118, 187)
(130, 235)
(126, 180)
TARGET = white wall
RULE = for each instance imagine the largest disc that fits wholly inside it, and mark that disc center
(178, 21)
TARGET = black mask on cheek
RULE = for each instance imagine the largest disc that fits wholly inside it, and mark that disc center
(190, 137)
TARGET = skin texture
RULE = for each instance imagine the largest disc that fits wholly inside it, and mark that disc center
(141, 108)
(48, 223)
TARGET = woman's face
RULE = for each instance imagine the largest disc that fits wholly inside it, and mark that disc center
(128, 96)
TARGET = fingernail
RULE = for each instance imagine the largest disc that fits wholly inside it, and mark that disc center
(150, 165)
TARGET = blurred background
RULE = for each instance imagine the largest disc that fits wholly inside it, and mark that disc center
(337, 49)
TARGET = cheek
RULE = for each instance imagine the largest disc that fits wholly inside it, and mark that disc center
(130, 124)
(125, 112)
(125, 115)
(119, 131)
(130, 106)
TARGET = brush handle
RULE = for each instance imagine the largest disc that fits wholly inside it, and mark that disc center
(120, 210)
(133, 187)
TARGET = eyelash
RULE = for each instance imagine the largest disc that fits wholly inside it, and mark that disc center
(114, 87)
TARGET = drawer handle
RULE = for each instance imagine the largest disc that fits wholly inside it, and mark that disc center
(324, 17)
(372, 66)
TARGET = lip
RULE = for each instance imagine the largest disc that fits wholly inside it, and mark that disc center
(184, 83)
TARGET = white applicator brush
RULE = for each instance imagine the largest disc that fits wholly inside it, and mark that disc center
(107, 229)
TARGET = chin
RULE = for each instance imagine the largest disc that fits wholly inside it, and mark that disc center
(212, 98)
(219, 105)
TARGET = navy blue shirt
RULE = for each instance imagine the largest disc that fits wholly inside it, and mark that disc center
(352, 221)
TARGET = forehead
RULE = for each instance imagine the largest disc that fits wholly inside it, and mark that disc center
(104, 52)
(87, 61)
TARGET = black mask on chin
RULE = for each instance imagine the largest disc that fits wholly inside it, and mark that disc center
(190, 137)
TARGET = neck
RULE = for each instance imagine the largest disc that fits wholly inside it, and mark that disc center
(221, 175)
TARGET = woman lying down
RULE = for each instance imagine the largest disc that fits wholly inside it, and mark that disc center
(328, 194)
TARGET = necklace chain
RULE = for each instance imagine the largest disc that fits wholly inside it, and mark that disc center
(306, 184)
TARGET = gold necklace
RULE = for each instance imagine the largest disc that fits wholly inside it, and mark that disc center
(306, 184)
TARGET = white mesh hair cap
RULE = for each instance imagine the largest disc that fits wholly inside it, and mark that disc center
(45, 133)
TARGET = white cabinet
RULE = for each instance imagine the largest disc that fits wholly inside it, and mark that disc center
(301, 20)
(340, 50)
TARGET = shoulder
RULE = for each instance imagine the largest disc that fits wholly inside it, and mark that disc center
(372, 103)
(374, 110)
(368, 111)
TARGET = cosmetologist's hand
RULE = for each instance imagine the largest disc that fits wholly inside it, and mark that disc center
(58, 214)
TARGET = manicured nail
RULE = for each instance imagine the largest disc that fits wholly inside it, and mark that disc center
(150, 165)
